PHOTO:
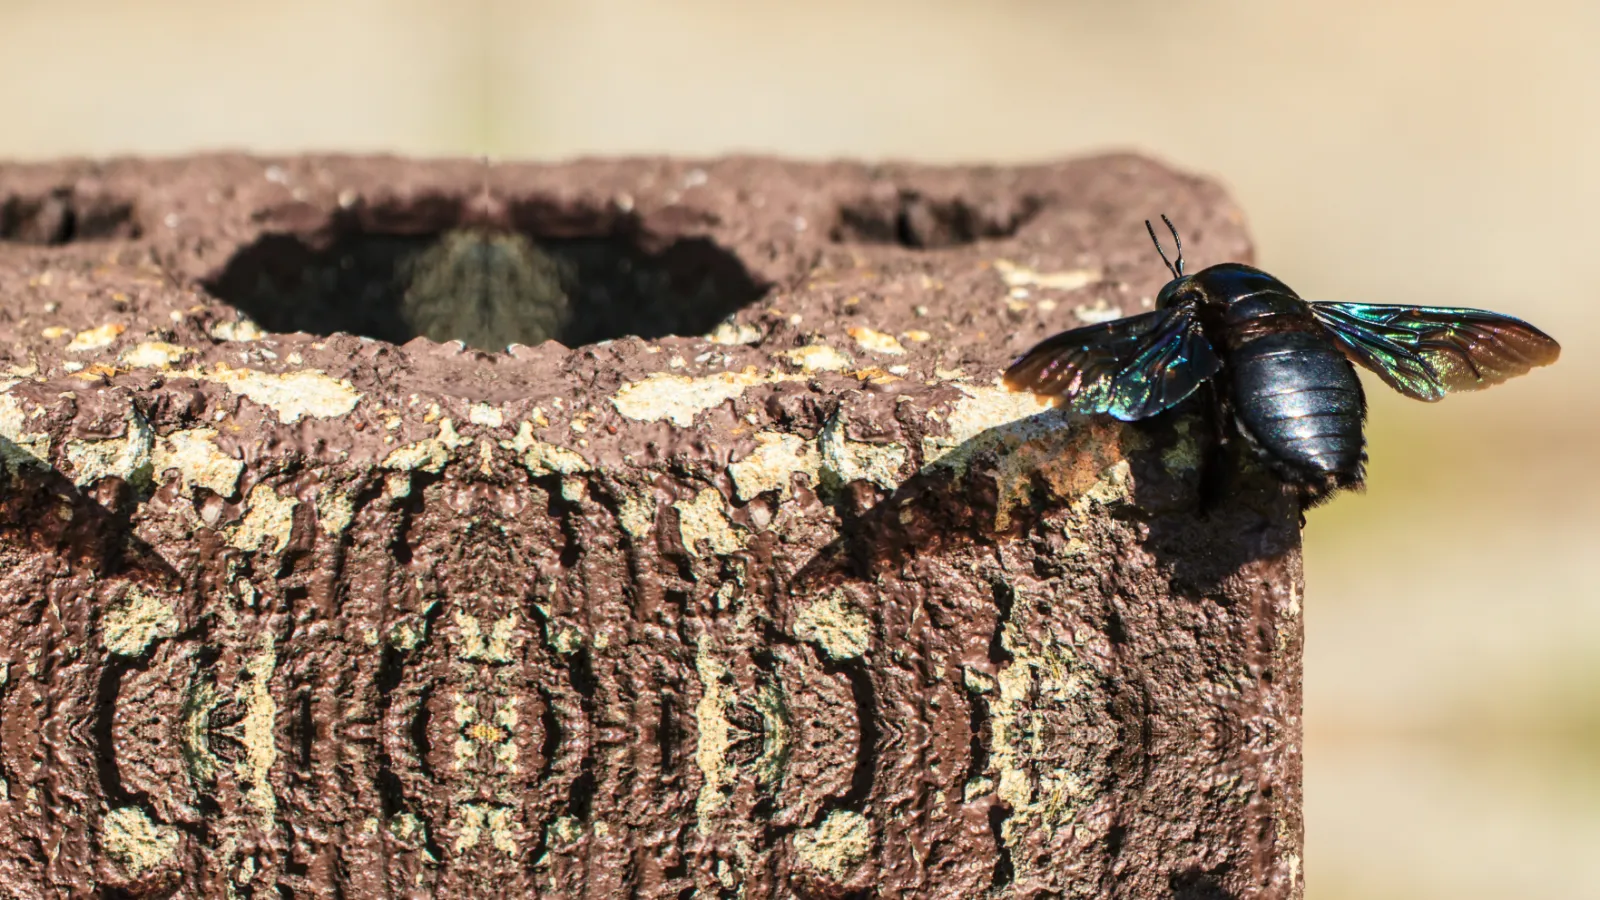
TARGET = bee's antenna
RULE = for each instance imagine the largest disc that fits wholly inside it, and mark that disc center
(1176, 270)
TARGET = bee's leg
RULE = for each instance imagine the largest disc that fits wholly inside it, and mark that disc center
(1216, 463)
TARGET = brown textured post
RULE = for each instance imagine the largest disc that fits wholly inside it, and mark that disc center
(805, 607)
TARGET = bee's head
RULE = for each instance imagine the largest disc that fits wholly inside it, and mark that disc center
(1177, 291)
(1180, 285)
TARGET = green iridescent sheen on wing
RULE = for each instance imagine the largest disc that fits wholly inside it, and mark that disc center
(1131, 368)
(1427, 352)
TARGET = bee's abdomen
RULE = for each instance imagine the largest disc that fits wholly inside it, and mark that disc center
(1300, 401)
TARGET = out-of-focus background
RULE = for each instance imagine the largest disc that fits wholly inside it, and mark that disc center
(1384, 150)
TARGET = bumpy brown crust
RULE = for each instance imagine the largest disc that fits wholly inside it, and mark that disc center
(813, 608)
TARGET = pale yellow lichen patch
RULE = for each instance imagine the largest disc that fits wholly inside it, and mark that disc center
(775, 739)
(835, 625)
(1184, 454)
(95, 338)
(268, 520)
(1095, 313)
(505, 716)
(679, 398)
(734, 333)
(127, 457)
(542, 458)
(261, 750)
(198, 460)
(291, 395)
(711, 719)
(128, 626)
(845, 460)
(1076, 459)
(242, 330)
(428, 454)
(476, 818)
(485, 415)
(704, 519)
(875, 341)
(129, 836)
(335, 512)
(195, 730)
(496, 648)
(54, 332)
(637, 514)
(1020, 276)
(983, 408)
(153, 355)
(777, 457)
(818, 358)
(836, 846)
(917, 336)
(1043, 686)
(18, 445)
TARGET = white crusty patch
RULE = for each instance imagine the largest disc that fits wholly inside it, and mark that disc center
(818, 358)
(849, 460)
(122, 457)
(95, 338)
(711, 718)
(1016, 276)
(543, 458)
(982, 408)
(18, 445)
(679, 398)
(199, 461)
(777, 457)
(335, 512)
(428, 454)
(485, 415)
(261, 748)
(291, 395)
(876, 341)
(153, 355)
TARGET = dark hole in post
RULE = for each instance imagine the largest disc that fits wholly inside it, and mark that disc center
(912, 220)
(63, 216)
(539, 272)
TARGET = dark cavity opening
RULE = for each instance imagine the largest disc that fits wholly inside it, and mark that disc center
(912, 220)
(62, 216)
(534, 272)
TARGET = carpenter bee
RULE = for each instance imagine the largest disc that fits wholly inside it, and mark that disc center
(1274, 370)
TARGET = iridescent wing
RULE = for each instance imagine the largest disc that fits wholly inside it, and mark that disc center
(1131, 368)
(1427, 352)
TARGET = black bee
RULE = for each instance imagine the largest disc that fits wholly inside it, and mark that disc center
(1275, 369)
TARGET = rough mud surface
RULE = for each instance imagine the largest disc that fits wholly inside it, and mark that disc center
(798, 603)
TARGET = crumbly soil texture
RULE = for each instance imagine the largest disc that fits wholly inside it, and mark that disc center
(644, 528)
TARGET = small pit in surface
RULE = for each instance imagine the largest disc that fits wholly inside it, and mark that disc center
(909, 219)
(63, 216)
(545, 274)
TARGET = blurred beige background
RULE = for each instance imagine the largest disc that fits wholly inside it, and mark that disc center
(1398, 151)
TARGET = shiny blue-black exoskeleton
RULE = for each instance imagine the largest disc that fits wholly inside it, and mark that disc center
(1275, 369)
